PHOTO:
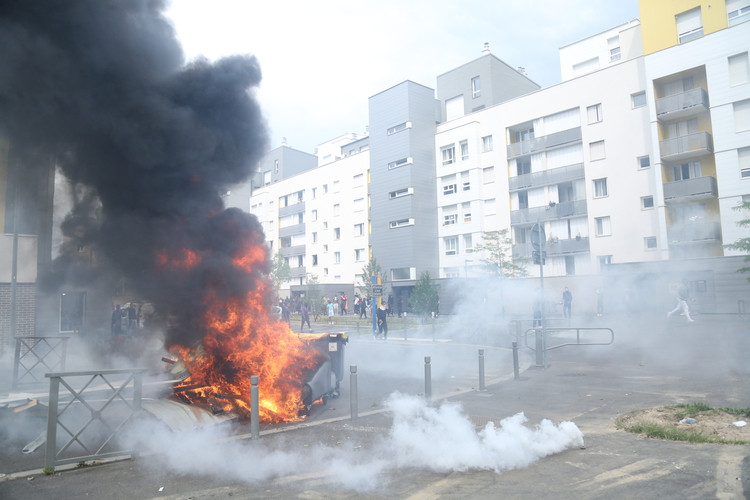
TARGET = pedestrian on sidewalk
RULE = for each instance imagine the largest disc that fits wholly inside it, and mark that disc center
(683, 294)
(305, 313)
(567, 301)
(382, 317)
(329, 307)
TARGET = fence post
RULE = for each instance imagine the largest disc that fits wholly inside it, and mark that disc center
(427, 379)
(481, 369)
(515, 360)
(51, 446)
(353, 397)
(255, 411)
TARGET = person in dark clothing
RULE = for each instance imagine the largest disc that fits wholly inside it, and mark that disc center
(117, 321)
(567, 301)
(382, 318)
(363, 307)
(305, 313)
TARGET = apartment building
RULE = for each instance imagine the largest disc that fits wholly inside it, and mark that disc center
(636, 158)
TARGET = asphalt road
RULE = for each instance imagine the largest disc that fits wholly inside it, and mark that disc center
(653, 362)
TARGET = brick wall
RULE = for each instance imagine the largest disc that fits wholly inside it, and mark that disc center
(25, 313)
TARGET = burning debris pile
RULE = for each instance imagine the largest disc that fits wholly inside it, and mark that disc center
(100, 89)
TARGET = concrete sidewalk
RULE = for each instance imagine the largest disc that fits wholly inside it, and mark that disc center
(666, 362)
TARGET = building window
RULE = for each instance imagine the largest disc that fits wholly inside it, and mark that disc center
(337, 257)
(450, 219)
(604, 260)
(400, 193)
(336, 209)
(686, 171)
(489, 207)
(600, 188)
(739, 69)
(398, 128)
(336, 185)
(451, 245)
(649, 242)
(644, 161)
(689, 25)
(742, 116)
(570, 265)
(488, 175)
(743, 159)
(464, 145)
(276, 166)
(486, 143)
(603, 227)
(401, 223)
(266, 177)
(449, 154)
(358, 180)
(315, 259)
(325, 188)
(449, 189)
(614, 49)
(594, 113)
(476, 87)
(315, 214)
(401, 273)
(596, 150)
(465, 181)
(359, 229)
(359, 204)
(638, 100)
(315, 237)
(399, 163)
(738, 11)
(647, 202)
(336, 233)
(325, 224)
(451, 272)
(468, 244)
(325, 248)
(359, 254)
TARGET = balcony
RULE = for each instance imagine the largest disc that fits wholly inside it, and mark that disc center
(293, 251)
(292, 209)
(558, 248)
(546, 177)
(686, 147)
(550, 212)
(682, 105)
(691, 189)
(694, 232)
(292, 230)
(298, 272)
(545, 142)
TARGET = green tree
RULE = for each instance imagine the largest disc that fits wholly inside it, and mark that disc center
(372, 268)
(497, 247)
(424, 297)
(742, 244)
(280, 271)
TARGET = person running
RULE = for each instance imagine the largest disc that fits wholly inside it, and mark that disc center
(305, 313)
(683, 294)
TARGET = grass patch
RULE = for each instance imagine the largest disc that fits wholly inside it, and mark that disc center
(664, 423)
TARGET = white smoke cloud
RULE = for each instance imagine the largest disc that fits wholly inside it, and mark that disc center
(438, 438)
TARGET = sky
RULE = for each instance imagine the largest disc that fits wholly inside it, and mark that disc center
(321, 61)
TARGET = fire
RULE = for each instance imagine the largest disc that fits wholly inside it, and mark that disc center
(186, 260)
(242, 340)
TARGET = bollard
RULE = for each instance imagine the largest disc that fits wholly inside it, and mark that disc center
(481, 369)
(539, 337)
(427, 379)
(255, 412)
(433, 326)
(515, 360)
(353, 392)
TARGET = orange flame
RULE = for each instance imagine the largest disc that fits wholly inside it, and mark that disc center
(187, 260)
(242, 340)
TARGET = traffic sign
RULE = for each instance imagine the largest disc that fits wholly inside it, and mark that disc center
(377, 290)
(537, 236)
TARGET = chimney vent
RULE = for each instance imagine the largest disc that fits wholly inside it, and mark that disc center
(486, 49)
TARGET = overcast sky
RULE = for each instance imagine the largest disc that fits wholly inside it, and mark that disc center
(322, 60)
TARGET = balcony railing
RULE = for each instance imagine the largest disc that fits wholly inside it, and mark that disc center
(698, 187)
(546, 177)
(292, 209)
(298, 272)
(686, 146)
(293, 250)
(545, 142)
(550, 212)
(292, 230)
(556, 248)
(680, 105)
(694, 232)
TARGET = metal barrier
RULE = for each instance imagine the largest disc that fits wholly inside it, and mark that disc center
(36, 356)
(102, 411)
(568, 329)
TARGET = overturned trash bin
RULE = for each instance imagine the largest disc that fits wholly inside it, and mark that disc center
(325, 381)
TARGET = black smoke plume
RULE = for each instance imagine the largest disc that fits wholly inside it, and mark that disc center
(101, 88)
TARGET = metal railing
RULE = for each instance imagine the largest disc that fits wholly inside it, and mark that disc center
(36, 356)
(577, 331)
(92, 417)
